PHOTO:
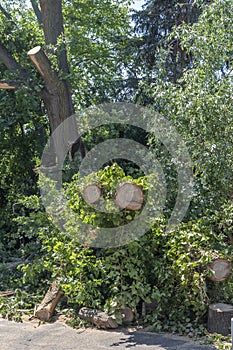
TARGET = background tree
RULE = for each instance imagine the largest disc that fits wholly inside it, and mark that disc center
(153, 25)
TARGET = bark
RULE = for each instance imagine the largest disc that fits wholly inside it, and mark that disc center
(8, 60)
(54, 28)
(230, 235)
(57, 102)
(56, 94)
(149, 307)
(45, 310)
(98, 318)
(219, 318)
(43, 66)
(37, 11)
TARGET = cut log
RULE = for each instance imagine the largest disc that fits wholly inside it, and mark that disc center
(128, 314)
(98, 318)
(45, 310)
(220, 269)
(129, 196)
(91, 194)
(219, 318)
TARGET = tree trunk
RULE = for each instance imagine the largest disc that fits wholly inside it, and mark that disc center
(56, 94)
(219, 318)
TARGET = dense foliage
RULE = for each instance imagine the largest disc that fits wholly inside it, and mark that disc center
(191, 86)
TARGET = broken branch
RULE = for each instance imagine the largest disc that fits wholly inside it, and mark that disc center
(9, 85)
(42, 64)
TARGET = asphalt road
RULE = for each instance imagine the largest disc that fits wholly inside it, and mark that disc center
(58, 336)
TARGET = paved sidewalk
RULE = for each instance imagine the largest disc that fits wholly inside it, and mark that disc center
(58, 336)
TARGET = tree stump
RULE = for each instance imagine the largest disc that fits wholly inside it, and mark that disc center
(45, 310)
(91, 194)
(129, 196)
(220, 269)
(219, 318)
(98, 318)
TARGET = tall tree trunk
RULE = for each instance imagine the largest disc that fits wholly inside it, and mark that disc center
(57, 95)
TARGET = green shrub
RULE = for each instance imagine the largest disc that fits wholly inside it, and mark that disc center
(168, 267)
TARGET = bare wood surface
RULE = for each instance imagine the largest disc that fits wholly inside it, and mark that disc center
(45, 310)
(98, 318)
(129, 196)
(91, 194)
(219, 318)
(128, 314)
(9, 85)
(6, 293)
(43, 65)
(220, 269)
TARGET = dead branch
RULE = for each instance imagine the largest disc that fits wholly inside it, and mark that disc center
(9, 85)
(6, 293)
